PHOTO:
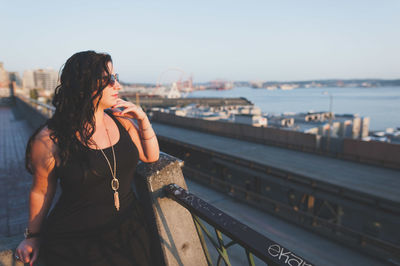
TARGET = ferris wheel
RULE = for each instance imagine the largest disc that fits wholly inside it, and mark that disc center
(177, 76)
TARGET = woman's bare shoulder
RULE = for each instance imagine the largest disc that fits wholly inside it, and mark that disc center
(43, 134)
(43, 141)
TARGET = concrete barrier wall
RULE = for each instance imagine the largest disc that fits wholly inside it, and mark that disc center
(263, 135)
(33, 116)
(371, 152)
(331, 145)
(175, 238)
(386, 153)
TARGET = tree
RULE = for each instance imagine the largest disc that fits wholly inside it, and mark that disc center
(34, 94)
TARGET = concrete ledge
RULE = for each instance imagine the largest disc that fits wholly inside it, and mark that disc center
(174, 232)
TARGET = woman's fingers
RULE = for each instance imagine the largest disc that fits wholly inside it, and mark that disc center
(130, 109)
(34, 257)
(18, 255)
(25, 256)
(122, 103)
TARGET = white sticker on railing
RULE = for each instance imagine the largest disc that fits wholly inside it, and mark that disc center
(286, 256)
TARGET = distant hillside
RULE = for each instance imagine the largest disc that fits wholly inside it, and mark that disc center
(324, 83)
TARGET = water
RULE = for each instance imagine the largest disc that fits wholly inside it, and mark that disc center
(382, 104)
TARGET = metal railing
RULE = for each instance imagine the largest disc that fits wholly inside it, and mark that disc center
(313, 221)
(43, 108)
(252, 242)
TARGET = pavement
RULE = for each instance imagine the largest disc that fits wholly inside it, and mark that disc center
(15, 181)
(306, 244)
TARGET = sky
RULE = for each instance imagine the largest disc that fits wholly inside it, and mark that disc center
(230, 40)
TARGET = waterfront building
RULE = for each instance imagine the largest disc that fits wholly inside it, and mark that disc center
(353, 126)
(46, 79)
(280, 121)
(305, 128)
(271, 87)
(42, 79)
(250, 119)
(364, 127)
(286, 87)
(318, 123)
(28, 81)
(257, 84)
(249, 109)
(4, 79)
(324, 123)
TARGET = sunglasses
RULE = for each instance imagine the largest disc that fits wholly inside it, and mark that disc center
(111, 79)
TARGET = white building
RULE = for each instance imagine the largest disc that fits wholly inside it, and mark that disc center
(28, 81)
(170, 92)
(324, 123)
(46, 79)
(254, 120)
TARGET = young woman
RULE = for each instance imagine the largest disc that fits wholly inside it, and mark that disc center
(92, 146)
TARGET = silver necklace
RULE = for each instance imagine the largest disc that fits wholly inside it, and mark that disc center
(114, 181)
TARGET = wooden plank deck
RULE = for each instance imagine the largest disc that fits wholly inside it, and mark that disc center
(382, 183)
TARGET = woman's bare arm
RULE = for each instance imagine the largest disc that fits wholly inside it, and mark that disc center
(44, 180)
(142, 135)
(144, 138)
(148, 139)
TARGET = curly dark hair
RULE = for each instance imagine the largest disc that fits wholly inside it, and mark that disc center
(81, 82)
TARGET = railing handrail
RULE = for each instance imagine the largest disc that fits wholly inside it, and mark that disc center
(30, 100)
(384, 245)
(44, 109)
(261, 246)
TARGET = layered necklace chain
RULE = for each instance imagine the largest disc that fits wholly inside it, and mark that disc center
(114, 181)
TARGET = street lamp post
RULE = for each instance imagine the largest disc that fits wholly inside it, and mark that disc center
(330, 119)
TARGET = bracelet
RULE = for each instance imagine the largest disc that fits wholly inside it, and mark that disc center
(28, 234)
(147, 128)
(149, 138)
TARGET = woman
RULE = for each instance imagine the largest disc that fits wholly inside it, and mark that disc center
(92, 147)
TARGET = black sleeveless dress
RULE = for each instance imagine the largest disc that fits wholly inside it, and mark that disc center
(84, 227)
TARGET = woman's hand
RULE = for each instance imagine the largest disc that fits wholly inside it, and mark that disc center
(131, 110)
(28, 250)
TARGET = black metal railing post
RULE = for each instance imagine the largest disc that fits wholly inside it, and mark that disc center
(253, 242)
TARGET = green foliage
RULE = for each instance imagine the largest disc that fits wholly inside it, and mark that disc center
(34, 94)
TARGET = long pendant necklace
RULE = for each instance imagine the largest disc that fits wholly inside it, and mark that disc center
(114, 181)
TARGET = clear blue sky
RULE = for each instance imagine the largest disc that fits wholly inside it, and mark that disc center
(233, 40)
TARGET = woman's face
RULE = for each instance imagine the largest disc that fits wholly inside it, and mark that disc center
(110, 93)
